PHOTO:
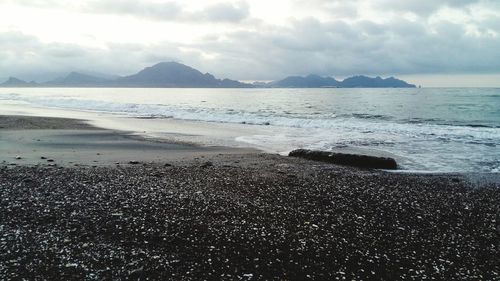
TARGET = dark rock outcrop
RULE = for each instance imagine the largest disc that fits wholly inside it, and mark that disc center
(362, 161)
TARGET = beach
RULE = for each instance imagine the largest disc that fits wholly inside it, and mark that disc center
(80, 202)
(31, 140)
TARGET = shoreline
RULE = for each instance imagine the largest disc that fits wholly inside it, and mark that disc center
(23, 138)
(29, 140)
(274, 139)
(235, 214)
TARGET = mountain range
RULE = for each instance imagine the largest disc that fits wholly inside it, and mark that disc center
(177, 75)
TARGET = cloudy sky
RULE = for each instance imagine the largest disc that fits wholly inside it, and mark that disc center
(429, 42)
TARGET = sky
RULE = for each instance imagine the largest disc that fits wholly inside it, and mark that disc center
(427, 42)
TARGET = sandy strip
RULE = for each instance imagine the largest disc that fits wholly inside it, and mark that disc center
(58, 141)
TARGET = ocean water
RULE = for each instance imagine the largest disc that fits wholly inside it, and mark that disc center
(436, 130)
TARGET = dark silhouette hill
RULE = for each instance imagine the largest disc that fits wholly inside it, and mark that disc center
(310, 81)
(172, 74)
(177, 75)
(76, 79)
(315, 81)
(15, 82)
(377, 82)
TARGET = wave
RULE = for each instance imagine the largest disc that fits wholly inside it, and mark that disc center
(371, 129)
(257, 117)
(470, 125)
(370, 116)
(437, 121)
(459, 144)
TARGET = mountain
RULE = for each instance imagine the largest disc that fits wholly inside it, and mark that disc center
(310, 81)
(105, 76)
(315, 81)
(76, 79)
(15, 82)
(377, 82)
(161, 75)
(177, 75)
(172, 74)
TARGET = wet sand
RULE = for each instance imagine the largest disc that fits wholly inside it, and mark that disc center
(239, 215)
(65, 142)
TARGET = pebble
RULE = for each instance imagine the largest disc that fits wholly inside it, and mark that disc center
(207, 164)
(247, 222)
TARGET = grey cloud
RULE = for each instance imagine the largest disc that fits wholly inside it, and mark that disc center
(64, 51)
(141, 8)
(224, 12)
(370, 28)
(26, 57)
(422, 8)
(337, 48)
(172, 11)
(425, 8)
(336, 8)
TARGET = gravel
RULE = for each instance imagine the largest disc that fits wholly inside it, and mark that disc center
(257, 217)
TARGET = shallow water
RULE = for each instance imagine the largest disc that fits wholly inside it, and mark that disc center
(440, 130)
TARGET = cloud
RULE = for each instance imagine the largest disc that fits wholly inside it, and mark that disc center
(172, 11)
(422, 8)
(223, 12)
(352, 40)
(141, 8)
(25, 56)
(399, 46)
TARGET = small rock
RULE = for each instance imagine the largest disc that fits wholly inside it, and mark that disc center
(136, 271)
(207, 164)
(133, 162)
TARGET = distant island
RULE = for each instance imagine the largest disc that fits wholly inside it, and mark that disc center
(315, 81)
(177, 75)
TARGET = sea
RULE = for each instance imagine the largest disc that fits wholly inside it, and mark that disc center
(426, 130)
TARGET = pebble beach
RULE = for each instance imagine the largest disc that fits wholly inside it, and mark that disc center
(241, 216)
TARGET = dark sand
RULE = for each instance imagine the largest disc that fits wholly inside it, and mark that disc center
(244, 216)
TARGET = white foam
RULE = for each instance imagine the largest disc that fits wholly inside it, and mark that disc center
(418, 145)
